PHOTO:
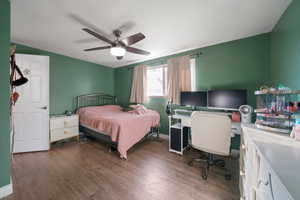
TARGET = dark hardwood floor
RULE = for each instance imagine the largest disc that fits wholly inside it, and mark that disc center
(86, 170)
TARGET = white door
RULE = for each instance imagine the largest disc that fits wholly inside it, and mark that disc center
(31, 112)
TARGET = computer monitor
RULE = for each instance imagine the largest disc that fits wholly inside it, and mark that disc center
(226, 99)
(198, 98)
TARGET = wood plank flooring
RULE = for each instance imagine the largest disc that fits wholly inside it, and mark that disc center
(86, 170)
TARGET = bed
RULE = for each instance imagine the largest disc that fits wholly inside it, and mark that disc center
(101, 117)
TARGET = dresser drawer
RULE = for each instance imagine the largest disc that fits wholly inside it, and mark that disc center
(64, 122)
(279, 192)
(59, 134)
(56, 123)
(261, 194)
(71, 121)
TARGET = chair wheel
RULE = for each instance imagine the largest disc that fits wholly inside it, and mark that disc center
(222, 165)
(228, 177)
(204, 174)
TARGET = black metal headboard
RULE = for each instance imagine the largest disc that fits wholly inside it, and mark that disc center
(96, 99)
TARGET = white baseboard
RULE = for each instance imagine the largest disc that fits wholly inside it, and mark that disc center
(6, 190)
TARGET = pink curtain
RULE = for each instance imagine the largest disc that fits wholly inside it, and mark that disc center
(139, 85)
(179, 77)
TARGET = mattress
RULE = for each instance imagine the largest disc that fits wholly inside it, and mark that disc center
(125, 128)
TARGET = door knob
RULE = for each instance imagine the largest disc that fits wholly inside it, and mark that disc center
(44, 107)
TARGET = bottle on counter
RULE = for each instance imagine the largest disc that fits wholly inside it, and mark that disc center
(290, 107)
(295, 107)
(296, 128)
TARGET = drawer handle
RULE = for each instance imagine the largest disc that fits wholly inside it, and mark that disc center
(66, 132)
(266, 183)
(244, 147)
(242, 173)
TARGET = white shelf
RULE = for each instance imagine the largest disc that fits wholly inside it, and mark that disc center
(275, 116)
(268, 128)
(277, 92)
(177, 125)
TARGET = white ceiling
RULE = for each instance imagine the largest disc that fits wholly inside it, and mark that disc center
(170, 26)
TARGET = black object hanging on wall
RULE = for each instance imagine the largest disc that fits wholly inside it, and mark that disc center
(15, 69)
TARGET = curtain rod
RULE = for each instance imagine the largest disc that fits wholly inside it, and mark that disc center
(162, 61)
(196, 54)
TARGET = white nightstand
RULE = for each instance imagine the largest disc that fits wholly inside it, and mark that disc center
(63, 127)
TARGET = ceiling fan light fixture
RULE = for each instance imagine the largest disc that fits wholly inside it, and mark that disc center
(118, 48)
(117, 51)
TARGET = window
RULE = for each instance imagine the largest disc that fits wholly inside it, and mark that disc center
(157, 79)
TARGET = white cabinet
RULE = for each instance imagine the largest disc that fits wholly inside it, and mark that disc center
(63, 127)
(178, 134)
(260, 154)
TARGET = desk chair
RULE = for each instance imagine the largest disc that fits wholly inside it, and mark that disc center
(211, 133)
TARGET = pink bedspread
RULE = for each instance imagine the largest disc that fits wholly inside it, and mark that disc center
(126, 128)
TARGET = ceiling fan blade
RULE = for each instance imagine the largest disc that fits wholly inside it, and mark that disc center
(133, 39)
(97, 48)
(98, 36)
(137, 51)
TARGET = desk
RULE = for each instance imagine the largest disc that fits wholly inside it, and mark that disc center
(179, 129)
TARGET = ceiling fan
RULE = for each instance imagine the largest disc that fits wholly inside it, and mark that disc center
(119, 47)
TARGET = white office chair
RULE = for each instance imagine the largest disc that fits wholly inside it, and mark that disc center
(211, 133)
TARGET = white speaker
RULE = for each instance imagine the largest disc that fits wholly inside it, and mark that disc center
(246, 113)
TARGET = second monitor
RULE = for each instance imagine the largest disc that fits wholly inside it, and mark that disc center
(215, 99)
(198, 98)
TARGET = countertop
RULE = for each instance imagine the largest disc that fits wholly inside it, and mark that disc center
(285, 162)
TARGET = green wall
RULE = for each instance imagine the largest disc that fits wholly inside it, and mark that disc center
(285, 48)
(233, 65)
(71, 77)
(4, 94)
